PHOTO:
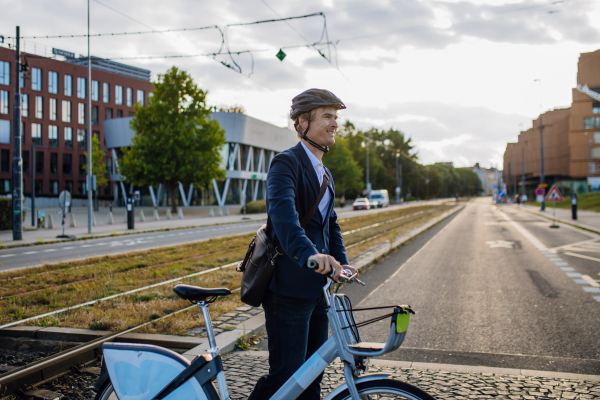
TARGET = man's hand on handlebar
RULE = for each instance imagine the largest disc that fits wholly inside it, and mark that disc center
(325, 264)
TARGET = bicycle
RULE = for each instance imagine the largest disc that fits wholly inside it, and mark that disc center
(136, 372)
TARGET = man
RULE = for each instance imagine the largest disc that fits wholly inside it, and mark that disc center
(295, 309)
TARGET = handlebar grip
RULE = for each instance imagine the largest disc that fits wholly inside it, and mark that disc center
(312, 264)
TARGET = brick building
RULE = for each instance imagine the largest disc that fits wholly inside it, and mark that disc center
(571, 138)
(54, 116)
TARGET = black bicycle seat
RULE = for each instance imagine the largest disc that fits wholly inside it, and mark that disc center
(197, 293)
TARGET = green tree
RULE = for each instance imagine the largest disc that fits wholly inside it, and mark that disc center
(174, 139)
(98, 168)
(345, 170)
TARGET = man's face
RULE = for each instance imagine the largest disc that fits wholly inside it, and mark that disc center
(323, 126)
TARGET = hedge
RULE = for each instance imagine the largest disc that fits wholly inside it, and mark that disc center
(6, 220)
(255, 207)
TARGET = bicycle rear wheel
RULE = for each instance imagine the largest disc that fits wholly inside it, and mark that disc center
(386, 389)
(106, 392)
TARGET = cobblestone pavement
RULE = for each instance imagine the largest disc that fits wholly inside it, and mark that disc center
(244, 368)
(227, 322)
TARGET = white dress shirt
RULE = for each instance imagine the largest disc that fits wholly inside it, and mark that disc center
(320, 171)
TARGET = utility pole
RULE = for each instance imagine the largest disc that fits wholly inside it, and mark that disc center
(89, 130)
(427, 183)
(522, 165)
(541, 145)
(368, 184)
(17, 170)
(509, 178)
(587, 143)
(397, 181)
(515, 175)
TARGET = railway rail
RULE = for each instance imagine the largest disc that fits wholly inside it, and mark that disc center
(24, 381)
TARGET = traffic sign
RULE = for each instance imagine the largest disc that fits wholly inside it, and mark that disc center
(64, 199)
(539, 192)
(554, 194)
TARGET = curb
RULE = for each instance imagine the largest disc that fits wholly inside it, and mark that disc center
(460, 368)
(561, 220)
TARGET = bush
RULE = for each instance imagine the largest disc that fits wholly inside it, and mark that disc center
(255, 207)
(6, 220)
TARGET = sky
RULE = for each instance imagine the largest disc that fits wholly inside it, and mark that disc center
(456, 76)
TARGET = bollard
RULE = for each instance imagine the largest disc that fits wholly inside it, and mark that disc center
(226, 210)
(93, 219)
(110, 221)
(220, 212)
(169, 214)
(156, 215)
(211, 213)
(130, 214)
(142, 218)
(180, 213)
(72, 222)
(49, 221)
(574, 205)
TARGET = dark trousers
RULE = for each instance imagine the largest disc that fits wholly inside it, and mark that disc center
(296, 328)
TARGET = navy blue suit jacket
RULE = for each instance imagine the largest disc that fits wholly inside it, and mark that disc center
(292, 189)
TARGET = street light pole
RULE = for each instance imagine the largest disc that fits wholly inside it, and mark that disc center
(17, 167)
(587, 143)
(542, 181)
(397, 181)
(89, 130)
(522, 165)
(368, 184)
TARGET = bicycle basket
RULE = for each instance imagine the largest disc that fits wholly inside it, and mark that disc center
(400, 318)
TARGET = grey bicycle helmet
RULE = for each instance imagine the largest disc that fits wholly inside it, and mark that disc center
(309, 100)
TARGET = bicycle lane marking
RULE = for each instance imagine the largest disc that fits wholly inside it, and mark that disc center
(578, 278)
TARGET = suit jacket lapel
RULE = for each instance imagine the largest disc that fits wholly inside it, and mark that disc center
(332, 191)
(309, 171)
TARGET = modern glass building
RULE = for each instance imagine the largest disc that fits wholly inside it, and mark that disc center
(250, 146)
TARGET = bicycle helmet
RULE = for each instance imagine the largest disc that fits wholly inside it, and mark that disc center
(308, 101)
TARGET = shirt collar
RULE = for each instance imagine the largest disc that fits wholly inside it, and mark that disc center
(313, 159)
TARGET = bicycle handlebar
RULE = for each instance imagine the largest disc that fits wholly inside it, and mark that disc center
(345, 276)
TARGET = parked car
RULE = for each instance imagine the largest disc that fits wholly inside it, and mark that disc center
(381, 196)
(361, 203)
(374, 204)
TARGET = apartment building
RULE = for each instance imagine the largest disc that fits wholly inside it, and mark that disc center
(54, 116)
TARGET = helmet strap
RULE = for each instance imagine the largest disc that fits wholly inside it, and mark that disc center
(318, 146)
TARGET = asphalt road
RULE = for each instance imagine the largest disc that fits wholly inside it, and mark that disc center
(23, 257)
(492, 286)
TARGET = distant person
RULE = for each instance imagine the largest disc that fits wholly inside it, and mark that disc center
(456, 197)
(524, 199)
(343, 201)
(518, 199)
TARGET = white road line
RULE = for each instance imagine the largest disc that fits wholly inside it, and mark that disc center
(574, 275)
(31, 252)
(68, 248)
(8, 255)
(591, 281)
(49, 250)
(568, 269)
(581, 256)
(592, 289)
(597, 298)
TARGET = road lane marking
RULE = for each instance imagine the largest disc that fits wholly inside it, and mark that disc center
(31, 252)
(7, 255)
(597, 298)
(68, 248)
(574, 275)
(49, 250)
(500, 243)
(567, 268)
(591, 289)
(591, 281)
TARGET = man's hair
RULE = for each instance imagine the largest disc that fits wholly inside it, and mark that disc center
(305, 116)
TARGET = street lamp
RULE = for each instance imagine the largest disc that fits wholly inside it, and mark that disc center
(541, 144)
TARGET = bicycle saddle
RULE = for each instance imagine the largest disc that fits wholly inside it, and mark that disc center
(197, 293)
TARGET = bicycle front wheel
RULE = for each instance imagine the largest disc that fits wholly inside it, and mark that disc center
(386, 389)
(106, 392)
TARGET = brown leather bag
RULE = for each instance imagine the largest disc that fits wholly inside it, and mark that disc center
(258, 265)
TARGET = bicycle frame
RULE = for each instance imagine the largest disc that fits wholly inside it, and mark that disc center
(167, 375)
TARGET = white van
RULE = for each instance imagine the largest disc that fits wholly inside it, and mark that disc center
(381, 196)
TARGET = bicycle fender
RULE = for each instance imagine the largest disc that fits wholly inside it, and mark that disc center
(364, 378)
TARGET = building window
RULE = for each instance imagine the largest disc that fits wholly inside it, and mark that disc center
(140, 97)
(81, 113)
(68, 85)
(596, 108)
(80, 88)
(36, 133)
(131, 113)
(109, 165)
(81, 139)
(5, 184)
(82, 162)
(590, 123)
(36, 79)
(95, 90)
(68, 137)
(25, 105)
(39, 162)
(39, 107)
(129, 97)
(25, 157)
(22, 80)
(119, 113)
(108, 114)
(38, 186)
(595, 152)
(4, 73)
(81, 187)
(53, 135)
(94, 115)
(53, 110)
(105, 92)
(3, 102)
(54, 163)
(22, 133)
(66, 111)
(67, 166)
(5, 161)
(118, 95)
(52, 82)
(54, 187)
(69, 186)
(596, 137)
(5, 131)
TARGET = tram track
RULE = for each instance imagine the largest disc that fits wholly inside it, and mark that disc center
(24, 380)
